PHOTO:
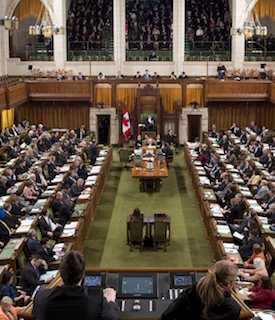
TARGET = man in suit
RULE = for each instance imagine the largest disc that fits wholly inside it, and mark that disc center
(31, 273)
(77, 188)
(80, 76)
(138, 142)
(45, 251)
(32, 243)
(13, 130)
(57, 202)
(48, 227)
(72, 301)
(81, 132)
(247, 250)
(92, 152)
(262, 194)
(66, 212)
(148, 124)
(61, 158)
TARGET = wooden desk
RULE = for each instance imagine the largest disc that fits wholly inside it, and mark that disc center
(12, 251)
(150, 179)
(148, 221)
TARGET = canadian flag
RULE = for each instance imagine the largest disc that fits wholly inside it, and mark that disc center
(126, 127)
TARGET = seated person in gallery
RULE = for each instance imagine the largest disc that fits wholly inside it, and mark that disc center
(136, 215)
(138, 143)
(149, 123)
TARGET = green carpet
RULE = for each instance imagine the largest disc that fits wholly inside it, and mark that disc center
(106, 244)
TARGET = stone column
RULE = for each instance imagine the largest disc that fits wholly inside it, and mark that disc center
(178, 34)
(119, 33)
(4, 50)
(240, 12)
(60, 43)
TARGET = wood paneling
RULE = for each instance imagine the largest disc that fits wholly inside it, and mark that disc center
(272, 92)
(223, 114)
(53, 90)
(3, 103)
(236, 91)
(17, 95)
(55, 114)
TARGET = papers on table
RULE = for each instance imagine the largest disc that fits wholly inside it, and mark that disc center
(58, 178)
(59, 247)
(25, 226)
(222, 229)
(69, 229)
(204, 181)
(216, 210)
(228, 245)
(95, 170)
(254, 205)
(238, 235)
(49, 273)
(91, 181)
(103, 153)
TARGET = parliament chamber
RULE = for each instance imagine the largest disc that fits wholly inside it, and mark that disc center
(79, 85)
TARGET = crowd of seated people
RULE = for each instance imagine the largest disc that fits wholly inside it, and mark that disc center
(149, 25)
(87, 21)
(209, 22)
(24, 180)
(253, 148)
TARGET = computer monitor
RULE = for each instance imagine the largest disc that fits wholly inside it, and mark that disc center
(95, 279)
(137, 285)
(182, 279)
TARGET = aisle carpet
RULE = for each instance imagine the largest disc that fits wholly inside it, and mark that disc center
(106, 244)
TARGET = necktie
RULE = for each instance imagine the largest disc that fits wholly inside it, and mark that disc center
(37, 273)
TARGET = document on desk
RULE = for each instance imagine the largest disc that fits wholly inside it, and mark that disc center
(49, 273)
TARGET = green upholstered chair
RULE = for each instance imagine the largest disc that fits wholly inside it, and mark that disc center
(160, 235)
(136, 235)
(124, 156)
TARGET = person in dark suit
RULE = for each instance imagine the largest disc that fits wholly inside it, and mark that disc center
(80, 76)
(247, 250)
(48, 227)
(149, 123)
(81, 132)
(29, 137)
(77, 188)
(70, 179)
(13, 130)
(171, 138)
(55, 137)
(61, 158)
(72, 301)
(31, 273)
(57, 202)
(92, 152)
(45, 251)
(236, 211)
(47, 141)
(32, 243)
(136, 215)
(65, 212)
(138, 142)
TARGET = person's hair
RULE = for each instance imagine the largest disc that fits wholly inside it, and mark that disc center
(253, 232)
(6, 277)
(266, 283)
(256, 248)
(210, 288)
(44, 211)
(31, 233)
(6, 301)
(259, 263)
(28, 183)
(72, 267)
(44, 240)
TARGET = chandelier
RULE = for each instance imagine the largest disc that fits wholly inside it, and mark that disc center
(44, 25)
(11, 23)
(252, 25)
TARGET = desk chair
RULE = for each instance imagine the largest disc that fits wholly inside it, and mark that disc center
(124, 156)
(136, 235)
(160, 235)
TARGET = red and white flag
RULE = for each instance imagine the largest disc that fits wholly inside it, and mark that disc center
(126, 128)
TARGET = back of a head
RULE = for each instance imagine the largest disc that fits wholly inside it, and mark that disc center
(72, 268)
(259, 263)
(211, 288)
